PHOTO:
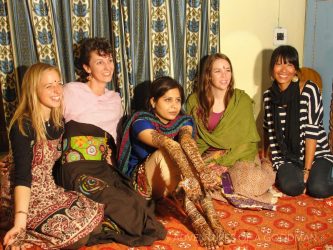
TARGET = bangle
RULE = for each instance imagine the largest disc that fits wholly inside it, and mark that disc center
(306, 170)
(21, 212)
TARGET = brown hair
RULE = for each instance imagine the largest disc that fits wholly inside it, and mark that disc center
(204, 88)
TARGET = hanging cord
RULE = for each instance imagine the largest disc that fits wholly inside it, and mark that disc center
(278, 20)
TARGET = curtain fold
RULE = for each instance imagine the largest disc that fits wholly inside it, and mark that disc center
(63, 37)
(159, 39)
(80, 27)
(41, 18)
(8, 65)
(192, 42)
(150, 38)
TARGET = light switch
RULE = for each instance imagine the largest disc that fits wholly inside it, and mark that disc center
(280, 36)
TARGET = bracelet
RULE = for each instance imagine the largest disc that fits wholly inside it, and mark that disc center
(21, 212)
(306, 170)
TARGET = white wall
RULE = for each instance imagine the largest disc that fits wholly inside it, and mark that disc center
(247, 39)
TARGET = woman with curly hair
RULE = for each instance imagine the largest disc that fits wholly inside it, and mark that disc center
(92, 113)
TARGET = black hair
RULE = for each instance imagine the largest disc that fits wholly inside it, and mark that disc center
(160, 86)
(287, 54)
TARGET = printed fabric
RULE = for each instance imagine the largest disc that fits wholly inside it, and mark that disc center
(56, 218)
(104, 183)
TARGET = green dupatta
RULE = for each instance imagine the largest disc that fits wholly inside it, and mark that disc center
(236, 132)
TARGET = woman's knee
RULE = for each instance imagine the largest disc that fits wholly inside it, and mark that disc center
(319, 189)
(291, 188)
(320, 182)
(290, 180)
(162, 174)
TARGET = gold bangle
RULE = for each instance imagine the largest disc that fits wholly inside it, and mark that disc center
(306, 170)
(21, 212)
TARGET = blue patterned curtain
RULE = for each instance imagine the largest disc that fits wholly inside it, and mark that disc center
(162, 37)
(150, 38)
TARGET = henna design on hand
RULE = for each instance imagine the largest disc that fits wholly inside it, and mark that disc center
(175, 153)
(190, 148)
(208, 178)
(191, 187)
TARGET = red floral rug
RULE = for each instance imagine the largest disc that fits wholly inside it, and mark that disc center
(299, 223)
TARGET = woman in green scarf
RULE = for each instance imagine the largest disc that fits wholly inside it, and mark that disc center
(226, 126)
(224, 115)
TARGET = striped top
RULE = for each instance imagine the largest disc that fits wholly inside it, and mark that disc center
(311, 122)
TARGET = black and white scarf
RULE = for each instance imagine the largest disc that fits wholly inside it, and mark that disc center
(289, 143)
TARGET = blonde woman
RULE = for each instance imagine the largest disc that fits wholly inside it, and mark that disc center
(45, 215)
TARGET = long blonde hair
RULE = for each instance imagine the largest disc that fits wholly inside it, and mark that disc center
(204, 89)
(29, 107)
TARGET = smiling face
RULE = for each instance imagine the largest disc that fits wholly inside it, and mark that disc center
(49, 91)
(168, 106)
(283, 72)
(220, 75)
(100, 67)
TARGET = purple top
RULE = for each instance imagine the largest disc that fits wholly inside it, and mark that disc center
(214, 119)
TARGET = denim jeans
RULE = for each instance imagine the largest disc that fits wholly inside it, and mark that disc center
(290, 179)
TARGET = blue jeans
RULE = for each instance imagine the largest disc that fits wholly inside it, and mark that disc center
(290, 179)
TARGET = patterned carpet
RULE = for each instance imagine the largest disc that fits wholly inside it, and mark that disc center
(299, 223)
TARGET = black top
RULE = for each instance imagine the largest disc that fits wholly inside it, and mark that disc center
(22, 149)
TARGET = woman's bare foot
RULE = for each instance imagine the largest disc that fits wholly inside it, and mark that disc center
(203, 232)
(223, 237)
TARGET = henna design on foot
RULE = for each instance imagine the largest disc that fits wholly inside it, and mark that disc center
(223, 236)
(205, 235)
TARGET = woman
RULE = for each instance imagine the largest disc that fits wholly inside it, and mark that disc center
(227, 131)
(159, 154)
(293, 123)
(224, 114)
(92, 114)
(45, 215)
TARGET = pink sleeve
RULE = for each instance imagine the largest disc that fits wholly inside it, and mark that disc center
(70, 98)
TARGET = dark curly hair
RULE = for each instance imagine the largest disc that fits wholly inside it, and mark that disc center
(101, 45)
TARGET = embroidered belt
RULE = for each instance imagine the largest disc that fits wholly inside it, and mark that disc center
(88, 148)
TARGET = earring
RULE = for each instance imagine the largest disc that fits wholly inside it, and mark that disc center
(89, 77)
(295, 78)
(272, 78)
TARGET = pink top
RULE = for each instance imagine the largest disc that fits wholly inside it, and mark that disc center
(82, 105)
(214, 119)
